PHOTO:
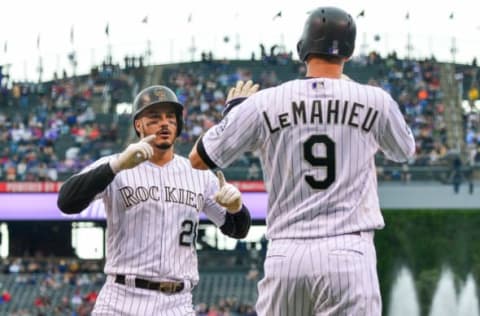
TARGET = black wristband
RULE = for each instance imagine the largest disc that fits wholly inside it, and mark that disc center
(231, 104)
(237, 225)
(203, 154)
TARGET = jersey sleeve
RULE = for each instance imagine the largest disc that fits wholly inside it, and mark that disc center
(94, 165)
(79, 190)
(396, 139)
(214, 211)
(240, 131)
(97, 163)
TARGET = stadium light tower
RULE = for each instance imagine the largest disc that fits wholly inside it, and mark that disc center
(148, 52)
(40, 68)
(109, 44)
(453, 47)
(72, 58)
(148, 48)
(72, 55)
(237, 46)
(40, 60)
(192, 49)
(364, 45)
(409, 46)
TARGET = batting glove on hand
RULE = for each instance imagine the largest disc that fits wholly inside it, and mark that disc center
(228, 196)
(133, 155)
(242, 90)
(239, 93)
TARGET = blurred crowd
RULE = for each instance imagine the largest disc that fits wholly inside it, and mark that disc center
(50, 286)
(50, 130)
(415, 85)
(471, 78)
(69, 286)
(225, 307)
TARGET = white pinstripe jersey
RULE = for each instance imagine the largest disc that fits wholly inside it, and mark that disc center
(152, 219)
(317, 139)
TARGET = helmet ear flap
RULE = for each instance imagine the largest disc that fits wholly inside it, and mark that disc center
(302, 50)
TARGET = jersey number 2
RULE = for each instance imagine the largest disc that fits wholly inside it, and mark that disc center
(328, 161)
(189, 233)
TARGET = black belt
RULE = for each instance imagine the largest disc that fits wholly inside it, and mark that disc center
(164, 287)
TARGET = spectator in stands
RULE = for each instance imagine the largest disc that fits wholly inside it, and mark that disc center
(91, 297)
(213, 311)
(406, 175)
(456, 173)
(469, 175)
(76, 299)
(15, 266)
(6, 297)
(473, 94)
(201, 309)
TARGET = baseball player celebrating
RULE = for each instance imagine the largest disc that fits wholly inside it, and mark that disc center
(317, 139)
(152, 201)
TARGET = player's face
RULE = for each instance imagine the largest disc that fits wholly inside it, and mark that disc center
(161, 121)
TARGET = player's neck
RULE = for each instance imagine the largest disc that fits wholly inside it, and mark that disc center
(161, 157)
(320, 68)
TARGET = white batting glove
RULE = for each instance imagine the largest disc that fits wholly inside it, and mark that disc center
(228, 196)
(242, 90)
(238, 94)
(133, 155)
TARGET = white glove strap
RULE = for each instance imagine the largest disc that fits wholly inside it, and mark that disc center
(114, 165)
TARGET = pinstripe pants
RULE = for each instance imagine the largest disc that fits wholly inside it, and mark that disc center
(123, 300)
(322, 277)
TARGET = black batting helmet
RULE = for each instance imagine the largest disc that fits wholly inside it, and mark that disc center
(157, 95)
(328, 31)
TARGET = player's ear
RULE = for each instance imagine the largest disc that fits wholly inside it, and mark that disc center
(138, 126)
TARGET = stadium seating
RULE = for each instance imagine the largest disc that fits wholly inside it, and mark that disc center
(40, 123)
(29, 289)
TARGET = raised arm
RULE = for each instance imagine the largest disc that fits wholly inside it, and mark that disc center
(80, 189)
(198, 156)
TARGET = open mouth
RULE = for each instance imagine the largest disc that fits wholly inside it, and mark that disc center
(164, 133)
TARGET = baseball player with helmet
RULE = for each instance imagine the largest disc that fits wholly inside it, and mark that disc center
(317, 138)
(152, 201)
